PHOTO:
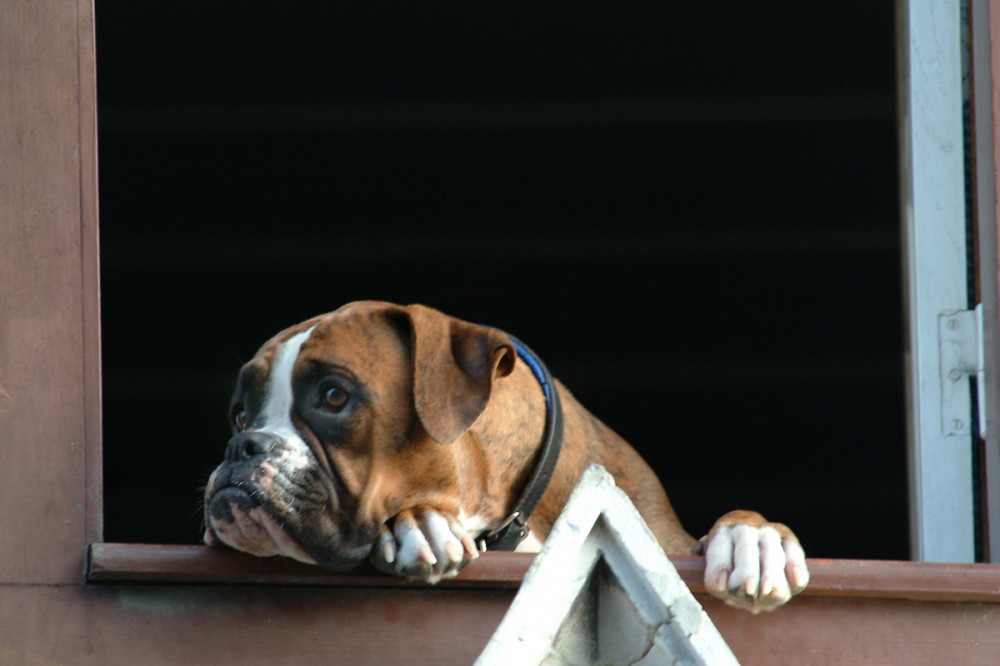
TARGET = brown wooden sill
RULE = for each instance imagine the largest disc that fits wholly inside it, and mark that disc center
(128, 562)
(870, 579)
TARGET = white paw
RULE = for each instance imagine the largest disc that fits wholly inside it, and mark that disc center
(754, 567)
(423, 544)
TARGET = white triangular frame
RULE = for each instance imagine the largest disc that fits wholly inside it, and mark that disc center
(602, 591)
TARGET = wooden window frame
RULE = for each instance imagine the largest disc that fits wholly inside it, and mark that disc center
(50, 479)
(74, 230)
(933, 202)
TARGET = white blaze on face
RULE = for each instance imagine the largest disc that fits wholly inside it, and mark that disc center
(255, 530)
(260, 534)
(276, 414)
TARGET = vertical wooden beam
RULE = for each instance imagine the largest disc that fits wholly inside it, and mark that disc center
(49, 333)
(91, 273)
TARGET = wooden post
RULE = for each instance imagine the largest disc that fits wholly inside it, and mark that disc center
(49, 330)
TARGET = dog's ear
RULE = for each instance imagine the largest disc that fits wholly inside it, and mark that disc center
(454, 366)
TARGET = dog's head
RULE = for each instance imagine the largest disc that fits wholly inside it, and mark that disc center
(342, 421)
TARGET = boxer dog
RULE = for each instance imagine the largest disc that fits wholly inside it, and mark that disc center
(403, 435)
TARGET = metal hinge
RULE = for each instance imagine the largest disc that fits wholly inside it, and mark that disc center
(960, 336)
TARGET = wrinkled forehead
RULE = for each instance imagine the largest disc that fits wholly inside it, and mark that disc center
(359, 341)
(256, 371)
(357, 333)
(268, 350)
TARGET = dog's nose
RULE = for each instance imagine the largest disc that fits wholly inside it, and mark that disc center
(250, 443)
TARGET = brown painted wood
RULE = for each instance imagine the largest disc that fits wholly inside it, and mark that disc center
(854, 612)
(139, 563)
(279, 624)
(919, 581)
(90, 299)
(860, 631)
(47, 327)
(144, 624)
(863, 579)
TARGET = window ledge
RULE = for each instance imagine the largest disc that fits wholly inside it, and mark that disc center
(142, 563)
(866, 579)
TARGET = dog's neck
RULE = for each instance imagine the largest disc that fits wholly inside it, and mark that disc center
(514, 528)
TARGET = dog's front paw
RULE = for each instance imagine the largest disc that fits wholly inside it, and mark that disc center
(424, 544)
(751, 563)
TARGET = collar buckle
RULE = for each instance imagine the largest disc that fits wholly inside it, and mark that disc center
(506, 537)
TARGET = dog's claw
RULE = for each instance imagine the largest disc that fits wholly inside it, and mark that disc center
(386, 545)
(423, 544)
(754, 564)
(454, 551)
(426, 555)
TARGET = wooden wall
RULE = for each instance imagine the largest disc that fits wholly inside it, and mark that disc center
(50, 436)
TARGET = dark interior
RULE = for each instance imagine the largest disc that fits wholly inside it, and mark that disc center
(688, 209)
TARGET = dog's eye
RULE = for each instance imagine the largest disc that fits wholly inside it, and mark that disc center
(334, 398)
(240, 418)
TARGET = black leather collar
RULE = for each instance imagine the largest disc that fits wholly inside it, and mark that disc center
(514, 529)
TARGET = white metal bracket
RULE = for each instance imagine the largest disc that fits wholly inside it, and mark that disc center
(961, 344)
